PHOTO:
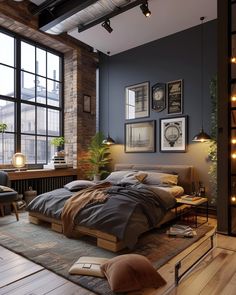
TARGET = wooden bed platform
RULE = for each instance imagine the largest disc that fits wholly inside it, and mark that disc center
(104, 240)
(111, 242)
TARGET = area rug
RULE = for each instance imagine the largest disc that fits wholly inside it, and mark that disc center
(57, 253)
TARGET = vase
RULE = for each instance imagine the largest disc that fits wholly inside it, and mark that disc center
(96, 177)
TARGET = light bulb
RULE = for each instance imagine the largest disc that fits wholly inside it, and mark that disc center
(233, 60)
(233, 140)
(233, 98)
(233, 155)
(233, 199)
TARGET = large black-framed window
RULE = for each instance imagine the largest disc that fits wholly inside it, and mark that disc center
(31, 98)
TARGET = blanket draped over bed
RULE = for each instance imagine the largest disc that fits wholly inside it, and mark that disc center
(94, 194)
(123, 211)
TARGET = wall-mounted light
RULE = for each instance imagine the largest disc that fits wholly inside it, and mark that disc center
(145, 9)
(106, 25)
(18, 160)
(233, 140)
(233, 60)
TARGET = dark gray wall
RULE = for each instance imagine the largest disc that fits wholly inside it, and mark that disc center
(170, 58)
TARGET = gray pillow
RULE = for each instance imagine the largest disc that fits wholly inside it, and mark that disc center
(77, 185)
(116, 176)
(136, 178)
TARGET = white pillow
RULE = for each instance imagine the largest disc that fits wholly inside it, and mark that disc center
(154, 178)
(5, 189)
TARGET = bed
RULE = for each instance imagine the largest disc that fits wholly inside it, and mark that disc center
(92, 220)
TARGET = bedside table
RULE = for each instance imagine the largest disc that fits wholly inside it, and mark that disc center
(192, 206)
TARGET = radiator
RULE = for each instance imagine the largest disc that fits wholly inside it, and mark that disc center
(41, 185)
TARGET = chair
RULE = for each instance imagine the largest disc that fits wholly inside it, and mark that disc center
(7, 197)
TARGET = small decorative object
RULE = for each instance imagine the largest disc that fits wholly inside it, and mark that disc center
(30, 195)
(140, 137)
(58, 142)
(201, 190)
(3, 128)
(174, 97)
(173, 134)
(137, 101)
(18, 160)
(87, 104)
(159, 97)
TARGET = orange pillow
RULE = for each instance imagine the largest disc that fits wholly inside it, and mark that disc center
(131, 272)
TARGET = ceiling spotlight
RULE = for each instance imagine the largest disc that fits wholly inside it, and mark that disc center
(145, 9)
(106, 25)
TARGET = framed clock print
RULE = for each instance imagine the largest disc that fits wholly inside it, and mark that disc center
(173, 134)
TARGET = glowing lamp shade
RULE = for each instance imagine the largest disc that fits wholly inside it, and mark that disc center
(18, 160)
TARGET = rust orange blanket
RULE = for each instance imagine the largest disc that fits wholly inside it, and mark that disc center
(94, 194)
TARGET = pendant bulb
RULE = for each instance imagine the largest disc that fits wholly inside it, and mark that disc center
(202, 136)
(108, 140)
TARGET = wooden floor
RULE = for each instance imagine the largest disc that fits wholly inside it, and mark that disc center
(215, 274)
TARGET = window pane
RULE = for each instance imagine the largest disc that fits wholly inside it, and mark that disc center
(41, 120)
(7, 51)
(53, 93)
(6, 148)
(7, 81)
(51, 149)
(53, 66)
(27, 118)
(28, 148)
(41, 90)
(27, 86)
(53, 122)
(7, 114)
(41, 150)
(41, 62)
(27, 57)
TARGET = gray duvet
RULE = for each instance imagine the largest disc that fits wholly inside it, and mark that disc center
(127, 212)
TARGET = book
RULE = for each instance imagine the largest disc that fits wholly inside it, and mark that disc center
(190, 198)
(184, 231)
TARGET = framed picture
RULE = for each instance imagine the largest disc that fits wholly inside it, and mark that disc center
(173, 134)
(87, 104)
(159, 97)
(137, 101)
(140, 137)
(175, 97)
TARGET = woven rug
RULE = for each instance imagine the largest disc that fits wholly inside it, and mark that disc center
(57, 253)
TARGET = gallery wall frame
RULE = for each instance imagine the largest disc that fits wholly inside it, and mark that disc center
(140, 137)
(158, 97)
(174, 134)
(137, 99)
(175, 97)
(87, 103)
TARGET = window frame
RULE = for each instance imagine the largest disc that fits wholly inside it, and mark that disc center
(17, 94)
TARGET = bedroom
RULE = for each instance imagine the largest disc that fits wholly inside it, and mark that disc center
(145, 63)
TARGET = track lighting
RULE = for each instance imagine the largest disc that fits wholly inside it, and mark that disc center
(106, 25)
(145, 9)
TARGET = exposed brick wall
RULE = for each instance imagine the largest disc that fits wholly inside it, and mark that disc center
(80, 77)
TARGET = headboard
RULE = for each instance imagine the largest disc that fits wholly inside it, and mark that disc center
(185, 172)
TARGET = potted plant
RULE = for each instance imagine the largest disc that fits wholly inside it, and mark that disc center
(98, 156)
(58, 142)
(3, 128)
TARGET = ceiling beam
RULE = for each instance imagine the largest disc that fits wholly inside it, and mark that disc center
(50, 18)
(119, 10)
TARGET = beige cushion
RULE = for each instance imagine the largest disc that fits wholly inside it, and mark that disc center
(89, 266)
(131, 272)
(4, 189)
(154, 178)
